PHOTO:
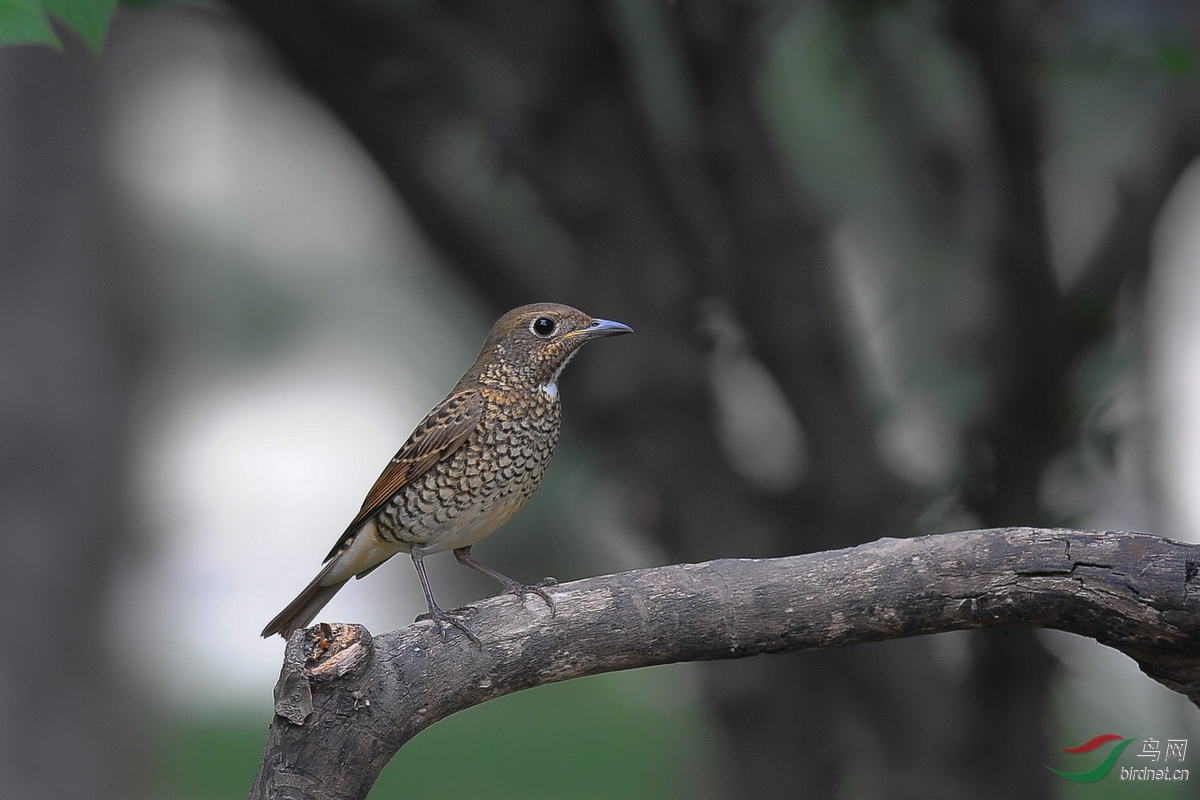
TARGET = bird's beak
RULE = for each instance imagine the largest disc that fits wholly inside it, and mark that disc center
(601, 327)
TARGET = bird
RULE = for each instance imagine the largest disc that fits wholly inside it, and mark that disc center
(467, 468)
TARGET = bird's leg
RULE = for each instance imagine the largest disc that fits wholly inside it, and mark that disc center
(463, 554)
(442, 619)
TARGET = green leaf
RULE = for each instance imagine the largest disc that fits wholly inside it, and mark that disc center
(24, 22)
(88, 18)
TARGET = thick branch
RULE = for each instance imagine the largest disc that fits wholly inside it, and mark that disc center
(346, 702)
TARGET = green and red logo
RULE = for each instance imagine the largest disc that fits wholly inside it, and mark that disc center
(1104, 767)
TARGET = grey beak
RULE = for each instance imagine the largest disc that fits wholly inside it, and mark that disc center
(605, 327)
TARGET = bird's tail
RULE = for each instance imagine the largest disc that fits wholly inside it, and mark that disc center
(307, 605)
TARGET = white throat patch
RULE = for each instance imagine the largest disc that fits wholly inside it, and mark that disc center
(550, 387)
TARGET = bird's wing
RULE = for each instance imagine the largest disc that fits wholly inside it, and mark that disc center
(442, 432)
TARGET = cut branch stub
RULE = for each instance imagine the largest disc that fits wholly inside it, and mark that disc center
(346, 701)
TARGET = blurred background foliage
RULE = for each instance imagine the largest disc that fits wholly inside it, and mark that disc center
(895, 267)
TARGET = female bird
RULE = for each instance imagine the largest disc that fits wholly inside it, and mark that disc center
(467, 468)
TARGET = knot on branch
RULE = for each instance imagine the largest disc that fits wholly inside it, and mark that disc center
(324, 652)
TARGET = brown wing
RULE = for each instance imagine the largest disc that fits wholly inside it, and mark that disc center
(442, 432)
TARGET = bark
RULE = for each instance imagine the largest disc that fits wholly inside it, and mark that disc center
(347, 701)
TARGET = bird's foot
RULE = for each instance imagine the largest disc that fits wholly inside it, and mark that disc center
(539, 588)
(445, 620)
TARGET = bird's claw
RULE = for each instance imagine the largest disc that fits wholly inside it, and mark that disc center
(523, 589)
(445, 620)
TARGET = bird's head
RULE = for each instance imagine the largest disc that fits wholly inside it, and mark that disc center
(533, 343)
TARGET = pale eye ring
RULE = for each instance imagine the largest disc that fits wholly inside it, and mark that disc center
(542, 326)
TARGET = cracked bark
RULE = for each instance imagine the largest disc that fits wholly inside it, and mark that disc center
(347, 701)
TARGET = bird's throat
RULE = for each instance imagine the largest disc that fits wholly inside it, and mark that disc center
(550, 387)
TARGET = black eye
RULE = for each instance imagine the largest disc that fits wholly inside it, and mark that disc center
(542, 326)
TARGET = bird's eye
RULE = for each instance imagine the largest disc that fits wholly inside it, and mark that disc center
(542, 326)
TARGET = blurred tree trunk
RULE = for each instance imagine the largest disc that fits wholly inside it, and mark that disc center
(1027, 356)
(65, 389)
(685, 224)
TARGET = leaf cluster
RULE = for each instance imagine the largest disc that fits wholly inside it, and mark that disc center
(29, 21)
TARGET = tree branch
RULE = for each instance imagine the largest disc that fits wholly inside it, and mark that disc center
(346, 702)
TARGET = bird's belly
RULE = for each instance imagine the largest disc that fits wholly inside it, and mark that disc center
(448, 528)
(477, 526)
(461, 501)
(376, 541)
